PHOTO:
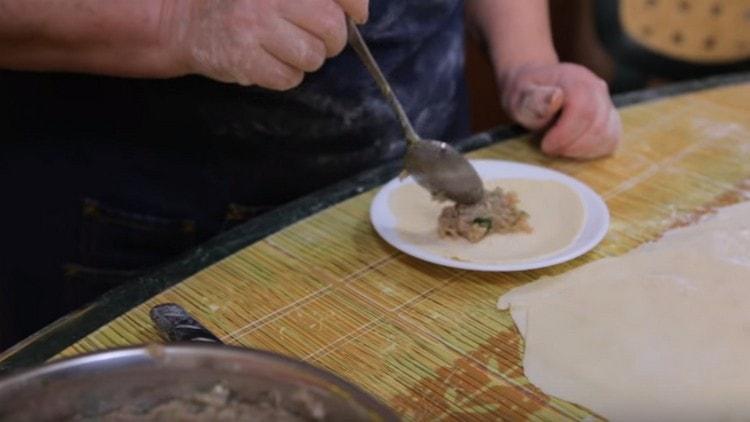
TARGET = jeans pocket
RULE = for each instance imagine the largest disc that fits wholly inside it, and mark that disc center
(126, 240)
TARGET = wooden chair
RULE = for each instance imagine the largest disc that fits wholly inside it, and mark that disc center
(673, 39)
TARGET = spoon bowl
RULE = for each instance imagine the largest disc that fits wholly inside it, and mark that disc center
(435, 165)
(443, 171)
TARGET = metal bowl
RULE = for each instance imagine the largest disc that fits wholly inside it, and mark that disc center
(87, 387)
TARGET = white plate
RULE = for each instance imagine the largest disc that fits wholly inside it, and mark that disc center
(594, 227)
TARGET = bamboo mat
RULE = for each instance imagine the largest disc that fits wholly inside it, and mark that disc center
(427, 340)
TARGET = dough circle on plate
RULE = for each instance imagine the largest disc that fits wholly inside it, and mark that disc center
(661, 333)
(556, 215)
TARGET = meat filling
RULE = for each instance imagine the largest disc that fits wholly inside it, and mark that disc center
(496, 213)
(217, 405)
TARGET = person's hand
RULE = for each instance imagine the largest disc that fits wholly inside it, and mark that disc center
(568, 102)
(269, 43)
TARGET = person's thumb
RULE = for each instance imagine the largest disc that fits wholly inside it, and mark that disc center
(357, 9)
(536, 105)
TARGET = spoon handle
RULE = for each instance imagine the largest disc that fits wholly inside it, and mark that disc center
(358, 44)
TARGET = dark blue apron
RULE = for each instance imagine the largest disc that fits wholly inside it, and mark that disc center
(107, 177)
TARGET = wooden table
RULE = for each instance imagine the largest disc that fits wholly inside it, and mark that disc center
(428, 340)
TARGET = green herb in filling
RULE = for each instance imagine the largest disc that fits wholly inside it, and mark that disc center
(485, 222)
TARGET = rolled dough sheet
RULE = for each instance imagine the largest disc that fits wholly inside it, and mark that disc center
(661, 333)
(556, 214)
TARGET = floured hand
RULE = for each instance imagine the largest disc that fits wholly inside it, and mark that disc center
(570, 103)
(269, 43)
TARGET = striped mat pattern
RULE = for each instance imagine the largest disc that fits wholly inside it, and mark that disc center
(428, 340)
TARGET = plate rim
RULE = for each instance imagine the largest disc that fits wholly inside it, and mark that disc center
(590, 199)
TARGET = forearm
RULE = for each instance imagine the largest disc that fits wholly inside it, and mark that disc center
(517, 32)
(114, 37)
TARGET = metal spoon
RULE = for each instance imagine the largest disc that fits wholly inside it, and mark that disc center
(435, 165)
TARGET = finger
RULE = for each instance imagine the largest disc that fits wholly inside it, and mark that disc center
(324, 19)
(607, 143)
(580, 112)
(295, 46)
(601, 140)
(615, 127)
(357, 9)
(598, 140)
(270, 72)
(612, 136)
(537, 105)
